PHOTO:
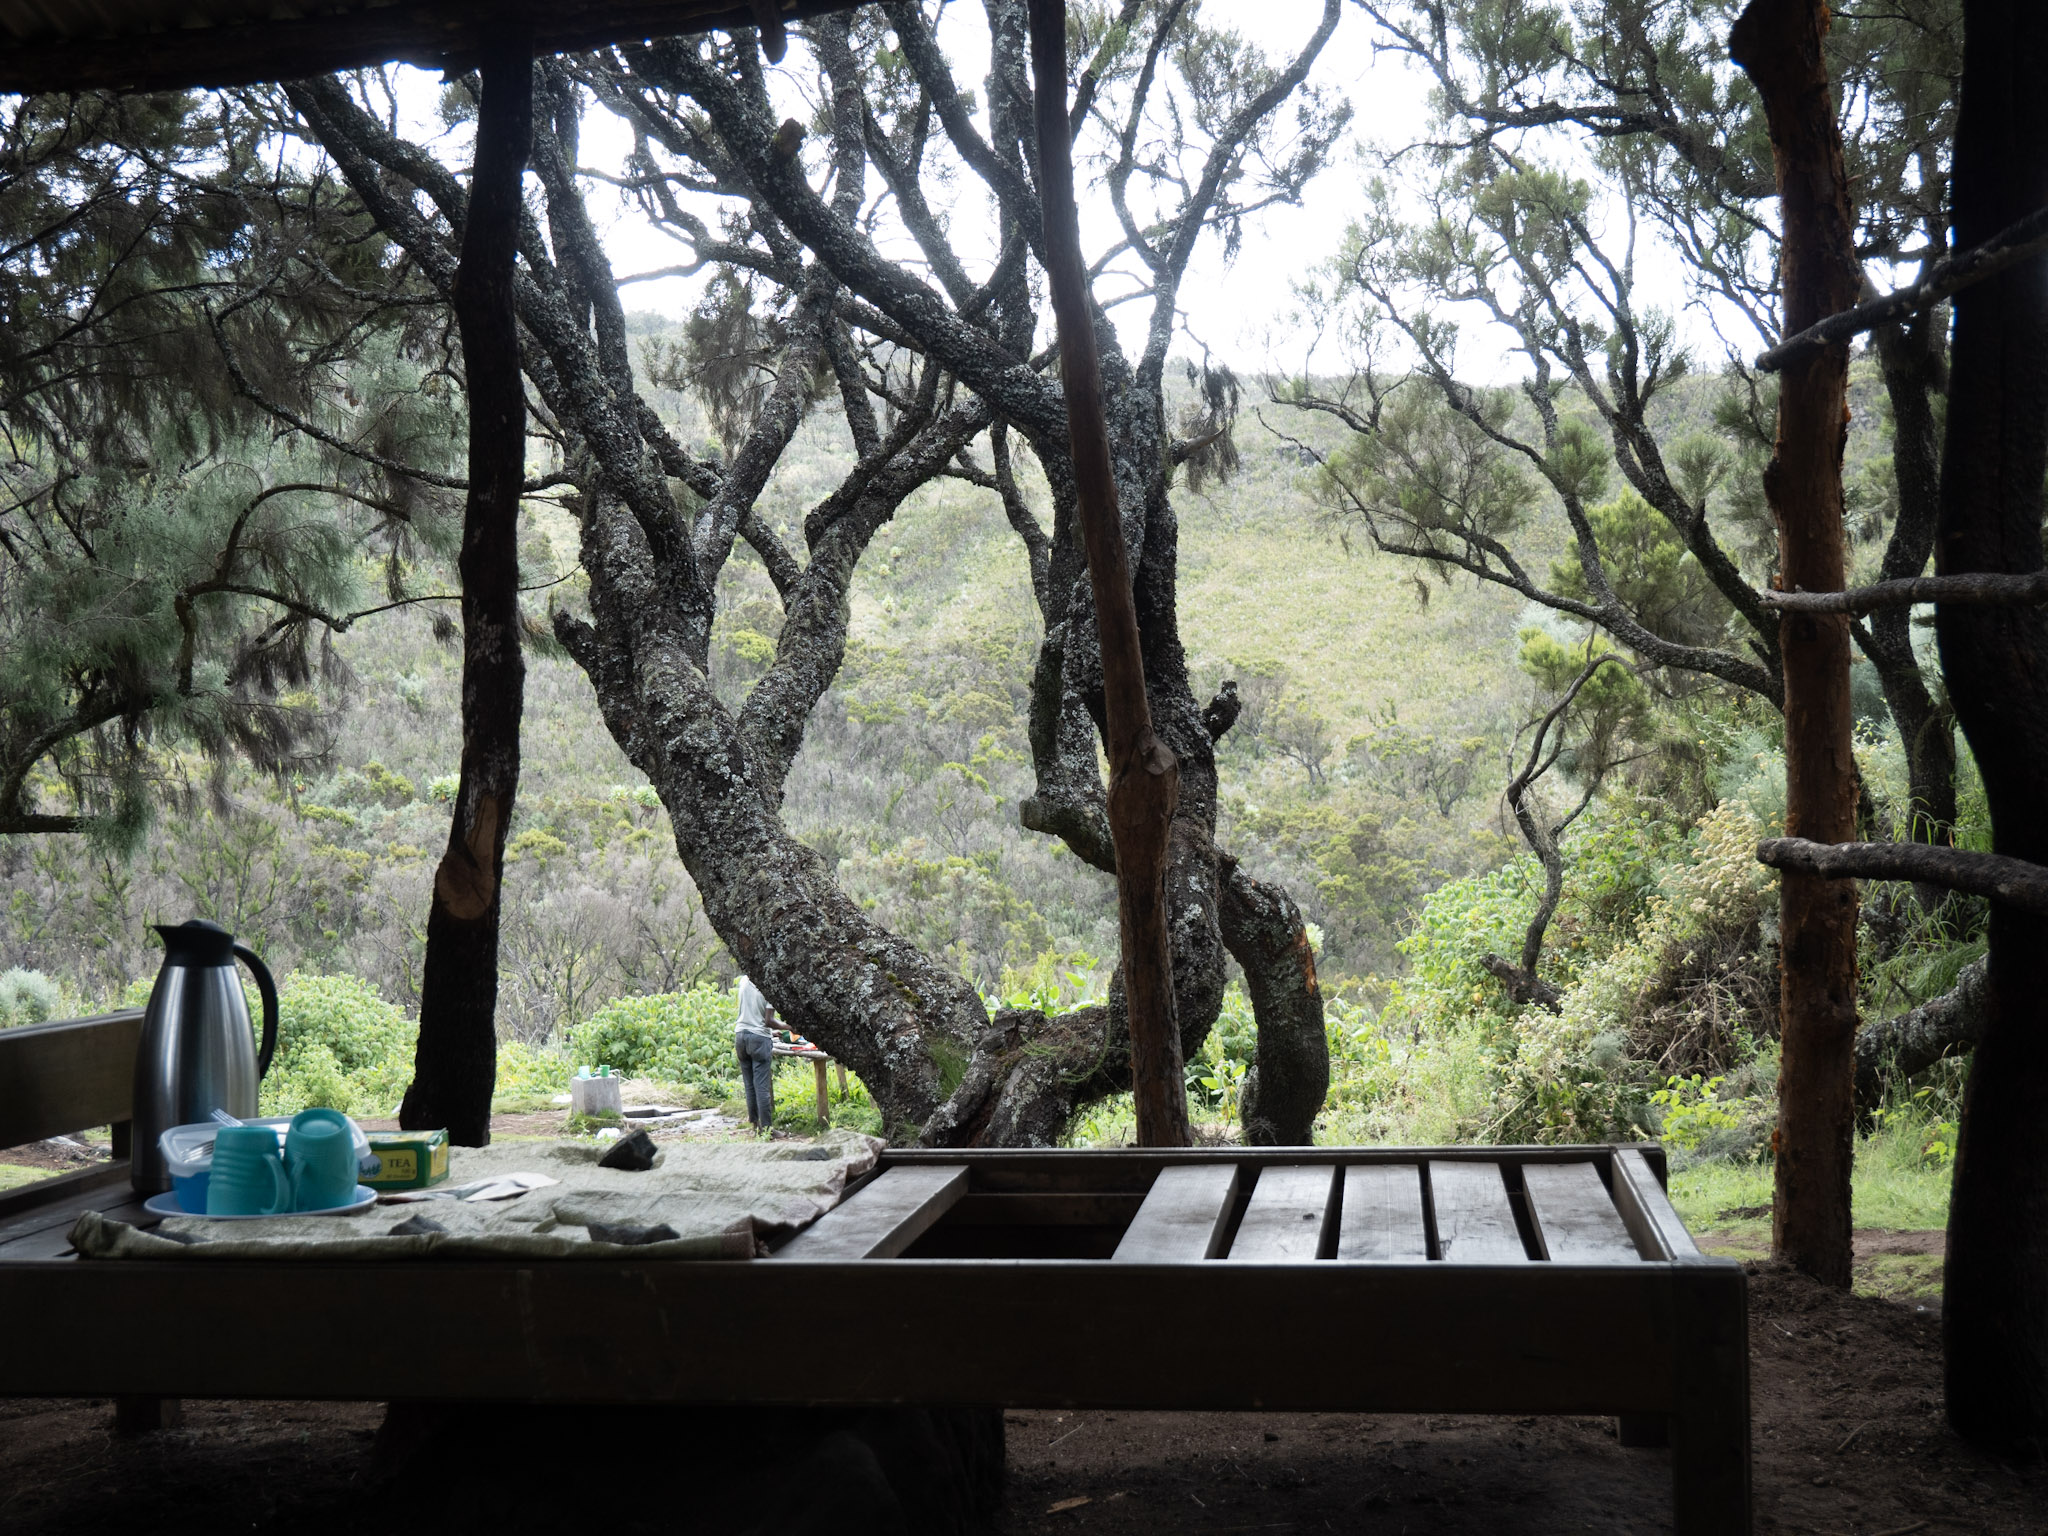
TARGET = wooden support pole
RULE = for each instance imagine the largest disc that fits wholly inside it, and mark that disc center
(1779, 43)
(1994, 463)
(455, 1065)
(1144, 775)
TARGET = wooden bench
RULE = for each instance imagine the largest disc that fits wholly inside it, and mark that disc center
(65, 1076)
(1502, 1280)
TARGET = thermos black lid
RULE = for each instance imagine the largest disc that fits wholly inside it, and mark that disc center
(197, 942)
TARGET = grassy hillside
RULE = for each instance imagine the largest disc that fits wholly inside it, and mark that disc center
(1364, 772)
(909, 778)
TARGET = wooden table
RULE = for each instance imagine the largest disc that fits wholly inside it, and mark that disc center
(816, 1058)
(1501, 1280)
(1507, 1280)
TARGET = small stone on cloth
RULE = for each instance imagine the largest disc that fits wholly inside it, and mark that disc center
(633, 1154)
(630, 1237)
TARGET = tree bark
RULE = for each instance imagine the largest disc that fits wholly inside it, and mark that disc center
(2013, 882)
(1290, 1073)
(1901, 1047)
(1911, 358)
(916, 1032)
(1995, 1302)
(455, 1065)
(2020, 241)
(1144, 775)
(1779, 43)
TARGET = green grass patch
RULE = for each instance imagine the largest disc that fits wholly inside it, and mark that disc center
(1899, 1186)
(1707, 1191)
(14, 1175)
(1906, 1277)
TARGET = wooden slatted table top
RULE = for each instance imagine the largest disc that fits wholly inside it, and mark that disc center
(1567, 1205)
(1464, 1205)
(1456, 1280)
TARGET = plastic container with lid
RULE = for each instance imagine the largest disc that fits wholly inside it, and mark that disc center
(188, 1153)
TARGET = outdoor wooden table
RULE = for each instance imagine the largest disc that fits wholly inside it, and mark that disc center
(816, 1058)
(1498, 1280)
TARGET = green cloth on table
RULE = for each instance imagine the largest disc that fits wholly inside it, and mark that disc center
(722, 1201)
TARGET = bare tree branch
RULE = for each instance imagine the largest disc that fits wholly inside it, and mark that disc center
(1976, 589)
(2010, 246)
(2014, 882)
(1523, 983)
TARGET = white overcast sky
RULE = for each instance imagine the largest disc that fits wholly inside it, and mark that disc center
(1232, 308)
(1242, 310)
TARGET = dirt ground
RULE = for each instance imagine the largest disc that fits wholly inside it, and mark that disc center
(1849, 1442)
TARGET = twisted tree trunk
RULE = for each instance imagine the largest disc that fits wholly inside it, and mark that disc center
(917, 1033)
(1290, 1072)
(1779, 43)
(1911, 357)
(455, 1065)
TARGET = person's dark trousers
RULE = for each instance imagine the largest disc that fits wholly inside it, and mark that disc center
(756, 1051)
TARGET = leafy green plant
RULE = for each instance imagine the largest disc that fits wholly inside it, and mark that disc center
(339, 1046)
(677, 1037)
(1692, 1110)
(529, 1076)
(1918, 1117)
(26, 997)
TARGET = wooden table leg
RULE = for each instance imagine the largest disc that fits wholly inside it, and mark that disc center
(840, 1067)
(138, 1415)
(1643, 1431)
(823, 1118)
(1710, 1430)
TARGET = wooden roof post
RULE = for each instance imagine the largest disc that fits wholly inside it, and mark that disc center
(1778, 42)
(1144, 775)
(455, 1064)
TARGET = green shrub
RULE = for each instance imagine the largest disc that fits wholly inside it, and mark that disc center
(678, 1037)
(528, 1073)
(1695, 1114)
(1569, 1077)
(339, 1046)
(26, 997)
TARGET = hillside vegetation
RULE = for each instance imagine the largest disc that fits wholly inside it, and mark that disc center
(1380, 700)
(1353, 671)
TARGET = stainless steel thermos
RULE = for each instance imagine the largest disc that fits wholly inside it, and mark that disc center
(197, 1053)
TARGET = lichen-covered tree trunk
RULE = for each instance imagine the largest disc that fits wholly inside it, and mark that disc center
(1290, 1072)
(1894, 1049)
(878, 1003)
(1995, 660)
(456, 1063)
(1779, 43)
(658, 526)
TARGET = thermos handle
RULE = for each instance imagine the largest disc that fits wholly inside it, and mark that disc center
(267, 989)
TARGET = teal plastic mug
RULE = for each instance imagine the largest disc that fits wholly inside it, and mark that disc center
(248, 1176)
(320, 1160)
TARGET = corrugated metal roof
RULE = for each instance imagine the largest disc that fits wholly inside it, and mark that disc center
(53, 45)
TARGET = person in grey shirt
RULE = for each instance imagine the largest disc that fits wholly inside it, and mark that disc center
(755, 1046)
